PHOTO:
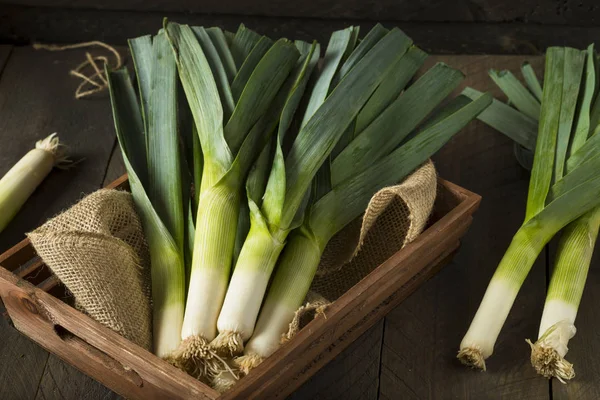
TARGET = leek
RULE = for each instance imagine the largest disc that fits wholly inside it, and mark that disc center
(332, 212)
(26, 175)
(563, 187)
(289, 179)
(578, 238)
(148, 136)
(573, 258)
(230, 139)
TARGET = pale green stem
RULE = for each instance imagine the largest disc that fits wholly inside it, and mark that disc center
(250, 278)
(295, 272)
(213, 253)
(168, 293)
(21, 181)
(527, 244)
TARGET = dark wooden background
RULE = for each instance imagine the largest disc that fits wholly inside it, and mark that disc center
(439, 26)
(410, 354)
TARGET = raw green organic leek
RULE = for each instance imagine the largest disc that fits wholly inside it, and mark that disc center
(573, 258)
(231, 136)
(344, 202)
(289, 180)
(563, 186)
(150, 145)
(578, 239)
(26, 175)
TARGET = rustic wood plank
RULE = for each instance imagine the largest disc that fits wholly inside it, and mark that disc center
(56, 25)
(22, 363)
(4, 54)
(422, 335)
(539, 11)
(61, 381)
(351, 374)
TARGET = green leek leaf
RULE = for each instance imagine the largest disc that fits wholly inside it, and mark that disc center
(248, 66)
(395, 122)
(518, 95)
(349, 199)
(545, 148)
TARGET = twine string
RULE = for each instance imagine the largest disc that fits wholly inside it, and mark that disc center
(95, 81)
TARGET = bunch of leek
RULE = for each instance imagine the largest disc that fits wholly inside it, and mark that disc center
(563, 191)
(329, 115)
(148, 135)
(26, 175)
(307, 153)
(234, 114)
(349, 143)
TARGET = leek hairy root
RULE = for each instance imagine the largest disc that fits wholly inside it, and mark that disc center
(228, 343)
(224, 380)
(548, 353)
(52, 145)
(472, 357)
(196, 357)
(548, 363)
(248, 362)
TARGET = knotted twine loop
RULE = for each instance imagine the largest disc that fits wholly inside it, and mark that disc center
(97, 81)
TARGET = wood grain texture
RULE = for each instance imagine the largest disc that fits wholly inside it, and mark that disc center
(4, 54)
(352, 374)
(60, 381)
(539, 11)
(422, 335)
(22, 363)
(56, 25)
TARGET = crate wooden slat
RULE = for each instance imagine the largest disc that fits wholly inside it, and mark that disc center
(136, 373)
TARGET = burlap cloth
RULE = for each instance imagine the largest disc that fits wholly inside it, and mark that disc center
(97, 250)
(396, 215)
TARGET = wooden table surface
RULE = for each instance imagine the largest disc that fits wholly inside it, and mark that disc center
(410, 354)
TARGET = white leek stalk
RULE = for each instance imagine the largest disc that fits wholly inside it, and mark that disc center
(26, 175)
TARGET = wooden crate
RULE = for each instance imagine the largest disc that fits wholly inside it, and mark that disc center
(35, 303)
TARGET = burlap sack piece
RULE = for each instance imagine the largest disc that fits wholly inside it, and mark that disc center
(395, 216)
(98, 251)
